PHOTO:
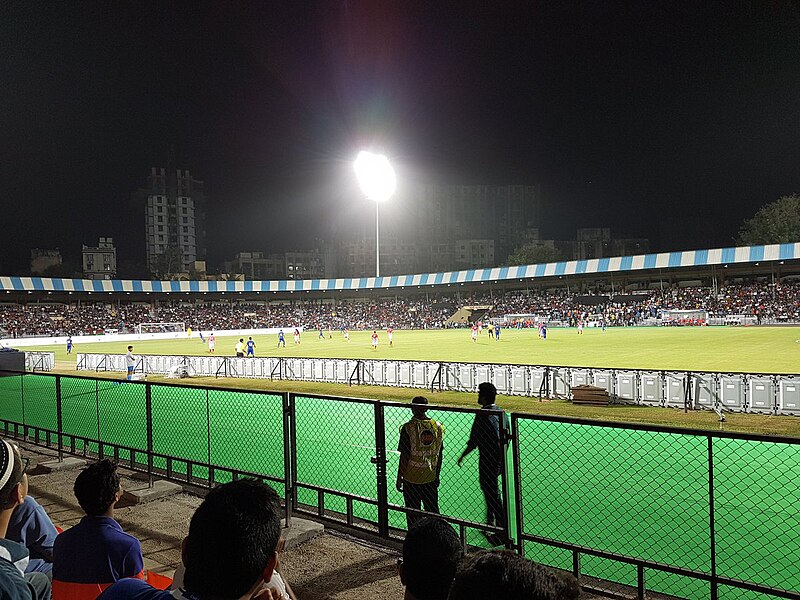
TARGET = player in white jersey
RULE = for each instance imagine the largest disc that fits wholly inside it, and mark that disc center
(130, 362)
(212, 343)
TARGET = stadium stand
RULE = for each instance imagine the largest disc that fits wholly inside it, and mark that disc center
(763, 302)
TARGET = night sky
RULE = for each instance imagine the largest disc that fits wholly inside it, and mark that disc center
(668, 120)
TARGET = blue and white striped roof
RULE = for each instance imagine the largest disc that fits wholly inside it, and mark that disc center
(640, 262)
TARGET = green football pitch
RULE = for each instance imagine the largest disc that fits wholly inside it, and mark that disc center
(643, 494)
(729, 349)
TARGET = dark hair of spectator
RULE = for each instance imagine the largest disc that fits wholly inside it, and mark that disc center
(96, 486)
(431, 553)
(232, 536)
(130, 347)
(10, 452)
(503, 574)
(487, 391)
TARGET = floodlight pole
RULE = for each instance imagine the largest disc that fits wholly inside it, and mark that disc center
(377, 240)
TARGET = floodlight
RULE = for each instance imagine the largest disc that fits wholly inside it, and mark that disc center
(378, 182)
(375, 176)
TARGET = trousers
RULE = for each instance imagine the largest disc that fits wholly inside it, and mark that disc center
(420, 495)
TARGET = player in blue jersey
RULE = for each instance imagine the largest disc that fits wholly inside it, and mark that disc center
(281, 339)
(497, 332)
(69, 345)
(251, 347)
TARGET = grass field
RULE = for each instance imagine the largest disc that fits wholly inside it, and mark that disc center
(753, 349)
(750, 349)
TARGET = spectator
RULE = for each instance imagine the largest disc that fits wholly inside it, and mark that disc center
(487, 437)
(503, 574)
(31, 527)
(231, 551)
(431, 554)
(15, 584)
(420, 450)
(90, 556)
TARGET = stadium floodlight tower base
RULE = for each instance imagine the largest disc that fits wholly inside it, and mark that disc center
(378, 182)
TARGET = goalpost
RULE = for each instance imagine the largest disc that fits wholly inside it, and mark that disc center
(684, 317)
(160, 327)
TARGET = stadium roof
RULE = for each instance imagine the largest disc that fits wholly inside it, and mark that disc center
(617, 264)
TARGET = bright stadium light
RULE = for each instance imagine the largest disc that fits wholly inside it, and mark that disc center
(378, 182)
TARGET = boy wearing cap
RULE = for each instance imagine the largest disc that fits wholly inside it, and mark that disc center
(421, 445)
(14, 584)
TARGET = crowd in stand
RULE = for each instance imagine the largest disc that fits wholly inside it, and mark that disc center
(231, 551)
(764, 302)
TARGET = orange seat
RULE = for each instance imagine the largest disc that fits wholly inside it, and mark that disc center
(66, 590)
(160, 582)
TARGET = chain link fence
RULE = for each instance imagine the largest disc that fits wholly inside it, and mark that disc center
(685, 513)
(676, 511)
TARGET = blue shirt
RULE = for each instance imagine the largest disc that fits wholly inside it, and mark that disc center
(31, 527)
(250, 345)
(134, 589)
(485, 433)
(96, 550)
(12, 584)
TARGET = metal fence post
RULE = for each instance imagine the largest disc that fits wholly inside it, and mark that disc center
(687, 392)
(288, 489)
(380, 464)
(293, 447)
(208, 447)
(547, 382)
(59, 419)
(22, 402)
(97, 414)
(504, 438)
(711, 523)
(148, 403)
(515, 450)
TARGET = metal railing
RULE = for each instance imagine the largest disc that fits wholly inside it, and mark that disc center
(39, 361)
(708, 390)
(687, 513)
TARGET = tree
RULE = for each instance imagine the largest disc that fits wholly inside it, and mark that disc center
(775, 223)
(168, 263)
(534, 253)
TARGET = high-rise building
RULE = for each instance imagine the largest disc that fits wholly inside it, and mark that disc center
(398, 257)
(473, 254)
(100, 262)
(504, 214)
(42, 260)
(175, 209)
(258, 266)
